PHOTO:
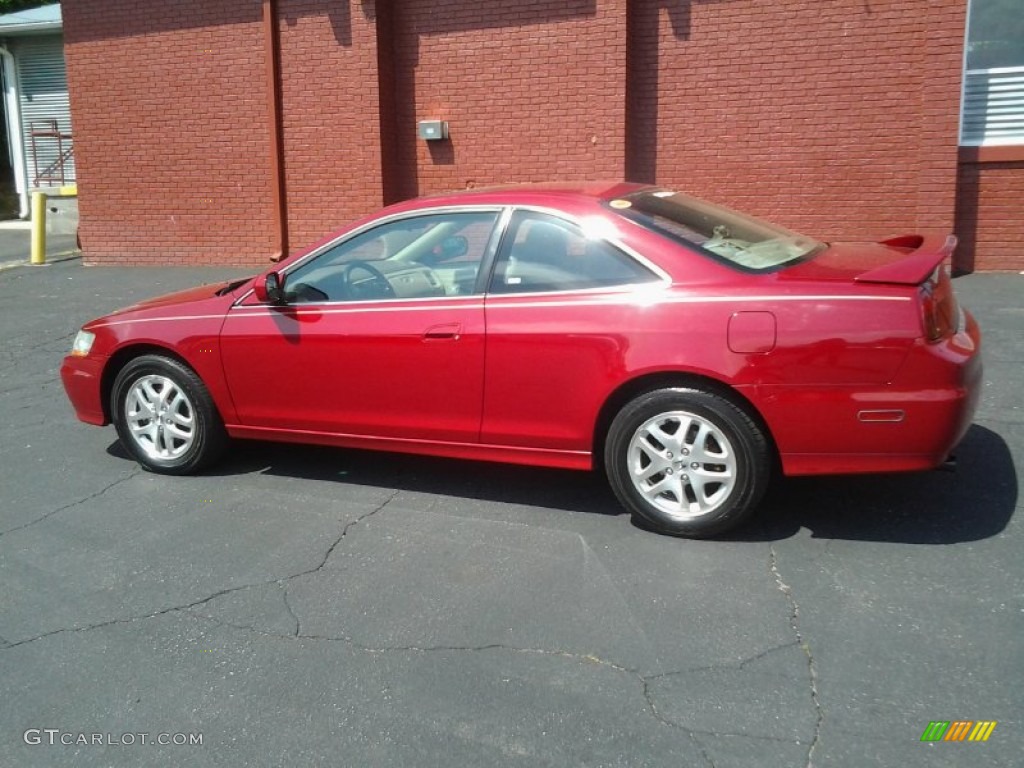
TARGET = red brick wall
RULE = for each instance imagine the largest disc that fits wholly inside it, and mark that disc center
(169, 114)
(331, 124)
(990, 216)
(837, 118)
(532, 90)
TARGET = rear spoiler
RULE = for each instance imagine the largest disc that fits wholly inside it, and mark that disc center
(927, 253)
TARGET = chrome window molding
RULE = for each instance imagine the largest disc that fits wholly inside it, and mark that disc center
(490, 256)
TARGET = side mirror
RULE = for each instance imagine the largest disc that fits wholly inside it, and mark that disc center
(270, 290)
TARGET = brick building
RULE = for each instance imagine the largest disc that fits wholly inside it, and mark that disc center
(223, 131)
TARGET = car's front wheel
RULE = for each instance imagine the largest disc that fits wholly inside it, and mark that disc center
(687, 462)
(165, 416)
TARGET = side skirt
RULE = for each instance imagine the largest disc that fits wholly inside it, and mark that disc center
(506, 454)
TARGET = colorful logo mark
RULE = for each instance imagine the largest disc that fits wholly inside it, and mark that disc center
(959, 730)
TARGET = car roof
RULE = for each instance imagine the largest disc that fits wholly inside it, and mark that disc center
(532, 193)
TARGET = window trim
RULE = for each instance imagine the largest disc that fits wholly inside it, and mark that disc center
(662, 278)
(385, 220)
(347, 235)
(490, 258)
(640, 219)
(658, 275)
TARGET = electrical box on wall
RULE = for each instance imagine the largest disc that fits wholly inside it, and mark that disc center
(433, 130)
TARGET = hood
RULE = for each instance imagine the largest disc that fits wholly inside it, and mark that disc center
(204, 297)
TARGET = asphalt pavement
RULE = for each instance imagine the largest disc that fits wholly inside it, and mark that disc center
(316, 607)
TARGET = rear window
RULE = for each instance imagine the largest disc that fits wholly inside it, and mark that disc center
(726, 235)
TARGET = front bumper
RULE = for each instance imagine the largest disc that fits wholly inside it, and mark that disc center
(83, 378)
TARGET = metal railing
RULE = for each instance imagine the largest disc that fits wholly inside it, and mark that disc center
(47, 132)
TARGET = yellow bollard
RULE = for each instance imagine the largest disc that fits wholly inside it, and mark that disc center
(38, 228)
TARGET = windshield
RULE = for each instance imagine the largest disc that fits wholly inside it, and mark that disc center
(728, 235)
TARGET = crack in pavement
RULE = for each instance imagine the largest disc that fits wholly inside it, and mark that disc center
(17, 353)
(188, 611)
(41, 344)
(579, 658)
(693, 732)
(733, 665)
(288, 607)
(652, 707)
(77, 503)
(208, 598)
(812, 669)
(34, 387)
(344, 532)
(645, 681)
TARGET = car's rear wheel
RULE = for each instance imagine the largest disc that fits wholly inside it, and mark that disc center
(165, 416)
(687, 462)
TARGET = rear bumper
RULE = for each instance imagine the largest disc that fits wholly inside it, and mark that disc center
(913, 423)
(82, 377)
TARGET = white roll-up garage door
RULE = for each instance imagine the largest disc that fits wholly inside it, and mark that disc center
(43, 96)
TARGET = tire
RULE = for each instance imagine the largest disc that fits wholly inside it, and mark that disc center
(687, 462)
(165, 417)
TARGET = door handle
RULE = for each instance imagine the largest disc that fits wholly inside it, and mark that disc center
(443, 332)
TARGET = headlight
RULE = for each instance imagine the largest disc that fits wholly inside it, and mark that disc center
(83, 343)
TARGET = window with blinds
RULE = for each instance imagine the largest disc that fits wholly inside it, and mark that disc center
(992, 112)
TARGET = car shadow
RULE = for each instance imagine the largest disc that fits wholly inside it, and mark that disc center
(975, 502)
(484, 481)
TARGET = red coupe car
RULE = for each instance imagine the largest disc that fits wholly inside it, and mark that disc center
(688, 350)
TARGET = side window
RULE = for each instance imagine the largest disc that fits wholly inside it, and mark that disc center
(415, 257)
(546, 253)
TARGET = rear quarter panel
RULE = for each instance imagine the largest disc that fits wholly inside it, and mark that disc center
(553, 361)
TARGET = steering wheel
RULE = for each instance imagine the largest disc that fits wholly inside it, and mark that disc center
(365, 290)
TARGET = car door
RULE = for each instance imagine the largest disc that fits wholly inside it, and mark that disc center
(562, 316)
(382, 334)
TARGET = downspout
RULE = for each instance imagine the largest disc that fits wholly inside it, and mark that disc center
(272, 60)
(15, 137)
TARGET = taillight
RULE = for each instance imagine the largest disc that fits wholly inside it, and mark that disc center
(939, 310)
